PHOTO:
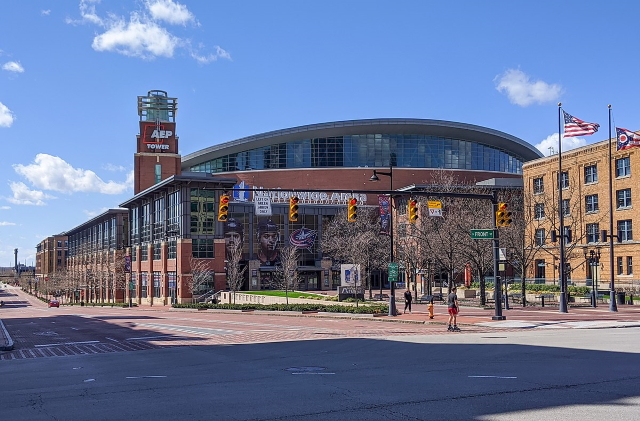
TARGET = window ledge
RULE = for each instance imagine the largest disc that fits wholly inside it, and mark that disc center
(623, 208)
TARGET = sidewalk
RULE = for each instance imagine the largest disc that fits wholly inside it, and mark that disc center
(516, 317)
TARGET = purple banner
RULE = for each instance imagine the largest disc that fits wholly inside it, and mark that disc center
(385, 216)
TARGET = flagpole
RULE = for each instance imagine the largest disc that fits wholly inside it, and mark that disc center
(612, 294)
(563, 277)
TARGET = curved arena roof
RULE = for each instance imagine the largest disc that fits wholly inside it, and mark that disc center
(512, 145)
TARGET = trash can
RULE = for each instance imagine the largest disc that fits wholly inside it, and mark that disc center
(81, 303)
(621, 296)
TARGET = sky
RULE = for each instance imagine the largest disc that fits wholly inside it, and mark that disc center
(71, 71)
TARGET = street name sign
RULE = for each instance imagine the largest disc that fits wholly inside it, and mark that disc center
(482, 234)
(393, 272)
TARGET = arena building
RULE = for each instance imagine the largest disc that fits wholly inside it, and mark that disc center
(173, 222)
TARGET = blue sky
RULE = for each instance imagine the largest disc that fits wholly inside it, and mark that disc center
(70, 72)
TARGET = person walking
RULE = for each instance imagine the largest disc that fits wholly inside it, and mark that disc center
(407, 300)
(452, 307)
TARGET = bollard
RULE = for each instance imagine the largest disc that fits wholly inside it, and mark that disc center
(542, 298)
(630, 299)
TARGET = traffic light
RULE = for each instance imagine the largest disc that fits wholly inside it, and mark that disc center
(413, 210)
(223, 208)
(352, 211)
(293, 208)
(503, 216)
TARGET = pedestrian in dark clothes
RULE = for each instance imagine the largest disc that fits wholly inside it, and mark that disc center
(407, 300)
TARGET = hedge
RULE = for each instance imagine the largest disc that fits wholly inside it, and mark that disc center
(329, 308)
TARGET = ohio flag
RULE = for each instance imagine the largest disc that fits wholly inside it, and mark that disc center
(626, 138)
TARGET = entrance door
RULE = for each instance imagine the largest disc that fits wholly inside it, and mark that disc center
(309, 281)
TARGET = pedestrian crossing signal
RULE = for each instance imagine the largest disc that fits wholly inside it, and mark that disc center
(503, 216)
(352, 211)
(293, 208)
(412, 208)
(223, 208)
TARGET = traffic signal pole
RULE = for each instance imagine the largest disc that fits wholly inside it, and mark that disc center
(497, 287)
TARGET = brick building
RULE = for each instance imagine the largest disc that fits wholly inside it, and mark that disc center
(585, 183)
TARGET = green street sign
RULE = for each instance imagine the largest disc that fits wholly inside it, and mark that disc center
(132, 286)
(393, 271)
(482, 234)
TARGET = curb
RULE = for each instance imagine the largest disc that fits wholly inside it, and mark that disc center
(8, 346)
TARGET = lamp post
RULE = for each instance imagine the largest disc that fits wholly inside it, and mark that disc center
(593, 259)
(374, 177)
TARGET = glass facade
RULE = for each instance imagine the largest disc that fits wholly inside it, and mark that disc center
(370, 150)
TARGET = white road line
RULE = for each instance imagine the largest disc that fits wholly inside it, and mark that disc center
(149, 337)
(69, 343)
(493, 377)
(145, 377)
(317, 374)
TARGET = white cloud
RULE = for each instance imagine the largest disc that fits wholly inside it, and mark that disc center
(521, 90)
(142, 33)
(220, 53)
(5, 207)
(170, 12)
(6, 224)
(94, 213)
(13, 66)
(6, 116)
(551, 141)
(23, 196)
(113, 167)
(137, 39)
(53, 173)
(45, 12)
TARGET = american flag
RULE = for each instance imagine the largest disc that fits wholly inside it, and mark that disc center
(626, 138)
(576, 127)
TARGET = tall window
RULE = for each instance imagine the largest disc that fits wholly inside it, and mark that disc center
(590, 174)
(157, 251)
(619, 265)
(173, 214)
(156, 284)
(567, 234)
(566, 207)
(623, 167)
(172, 249)
(564, 180)
(624, 230)
(624, 198)
(538, 185)
(629, 265)
(143, 284)
(158, 173)
(591, 203)
(134, 281)
(541, 267)
(538, 211)
(593, 233)
(540, 237)
(144, 252)
(134, 255)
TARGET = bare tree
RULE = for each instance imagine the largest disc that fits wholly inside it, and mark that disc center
(357, 242)
(286, 274)
(235, 271)
(201, 277)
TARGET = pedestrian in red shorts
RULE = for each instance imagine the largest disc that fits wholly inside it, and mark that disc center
(452, 307)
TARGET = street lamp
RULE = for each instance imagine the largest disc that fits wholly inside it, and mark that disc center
(593, 259)
(374, 177)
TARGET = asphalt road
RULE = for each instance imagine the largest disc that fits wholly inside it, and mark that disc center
(195, 366)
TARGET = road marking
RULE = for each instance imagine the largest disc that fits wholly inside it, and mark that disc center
(90, 380)
(69, 343)
(149, 337)
(493, 377)
(145, 377)
(111, 339)
(314, 373)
